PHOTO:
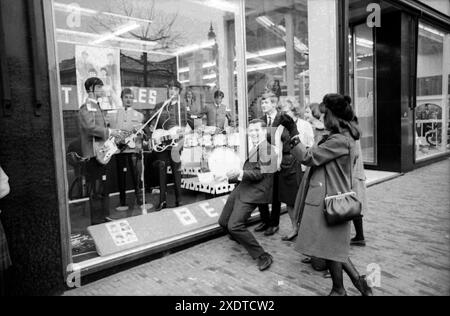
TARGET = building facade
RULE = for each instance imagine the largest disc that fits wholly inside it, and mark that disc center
(391, 57)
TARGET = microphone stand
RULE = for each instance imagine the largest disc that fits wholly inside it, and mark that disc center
(157, 114)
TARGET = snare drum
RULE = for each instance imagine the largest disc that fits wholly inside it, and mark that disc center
(220, 140)
(223, 160)
(233, 140)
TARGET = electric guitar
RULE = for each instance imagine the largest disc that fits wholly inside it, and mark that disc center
(163, 140)
(105, 152)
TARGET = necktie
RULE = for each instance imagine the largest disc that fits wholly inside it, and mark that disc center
(269, 121)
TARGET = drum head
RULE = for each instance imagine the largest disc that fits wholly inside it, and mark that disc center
(223, 160)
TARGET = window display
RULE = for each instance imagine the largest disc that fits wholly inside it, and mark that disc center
(152, 119)
(150, 109)
(432, 109)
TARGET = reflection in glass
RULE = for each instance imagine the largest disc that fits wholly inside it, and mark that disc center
(277, 52)
(363, 88)
(432, 97)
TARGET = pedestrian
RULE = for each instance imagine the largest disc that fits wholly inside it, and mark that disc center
(5, 260)
(291, 171)
(359, 186)
(315, 118)
(331, 172)
(271, 217)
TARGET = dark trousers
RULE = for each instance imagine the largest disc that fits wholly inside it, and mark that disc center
(272, 219)
(98, 191)
(163, 160)
(234, 218)
(129, 162)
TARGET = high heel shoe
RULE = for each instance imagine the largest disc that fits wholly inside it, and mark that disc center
(363, 287)
(161, 206)
(334, 293)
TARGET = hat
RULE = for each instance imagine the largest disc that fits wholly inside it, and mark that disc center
(340, 106)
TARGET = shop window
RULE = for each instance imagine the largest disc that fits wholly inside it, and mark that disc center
(138, 48)
(277, 52)
(432, 119)
(363, 85)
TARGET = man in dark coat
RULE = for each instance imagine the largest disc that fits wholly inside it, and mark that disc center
(271, 219)
(255, 188)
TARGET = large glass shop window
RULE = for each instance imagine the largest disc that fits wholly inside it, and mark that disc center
(363, 85)
(167, 63)
(277, 53)
(432, 111)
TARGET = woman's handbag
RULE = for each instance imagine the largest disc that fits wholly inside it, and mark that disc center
(343, 207)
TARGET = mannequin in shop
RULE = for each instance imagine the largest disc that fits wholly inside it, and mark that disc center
(94, 132)
(128, 119)
(174, 121)
(218, 114)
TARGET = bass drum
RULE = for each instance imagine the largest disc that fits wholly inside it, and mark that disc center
(223, 160)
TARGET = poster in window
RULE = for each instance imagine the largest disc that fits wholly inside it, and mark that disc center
(103, 63)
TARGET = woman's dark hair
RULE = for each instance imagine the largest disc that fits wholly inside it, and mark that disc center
(339, 115)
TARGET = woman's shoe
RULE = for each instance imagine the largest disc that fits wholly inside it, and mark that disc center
(334, 293)
(161, 206)
(363, 287)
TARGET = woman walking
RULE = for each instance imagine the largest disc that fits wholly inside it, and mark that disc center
(330, 174)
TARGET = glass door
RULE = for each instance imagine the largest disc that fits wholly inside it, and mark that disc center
(363, 86)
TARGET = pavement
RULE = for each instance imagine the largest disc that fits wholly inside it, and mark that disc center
(407, 229)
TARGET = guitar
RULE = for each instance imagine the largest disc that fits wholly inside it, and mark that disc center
(106, 151)
(163, 140)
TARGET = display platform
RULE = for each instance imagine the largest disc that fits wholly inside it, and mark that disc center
(134, 232)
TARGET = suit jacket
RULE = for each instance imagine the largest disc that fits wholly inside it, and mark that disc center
(256, 186)
(94, 129)
(170, 116)
(271, 130)
(216, 116)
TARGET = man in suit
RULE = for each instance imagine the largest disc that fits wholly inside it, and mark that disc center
(94, 132)
(255, 187)
(271, 220)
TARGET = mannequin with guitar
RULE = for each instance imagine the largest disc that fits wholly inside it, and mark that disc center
(94, 133)
(128, 120)
(167, 142)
